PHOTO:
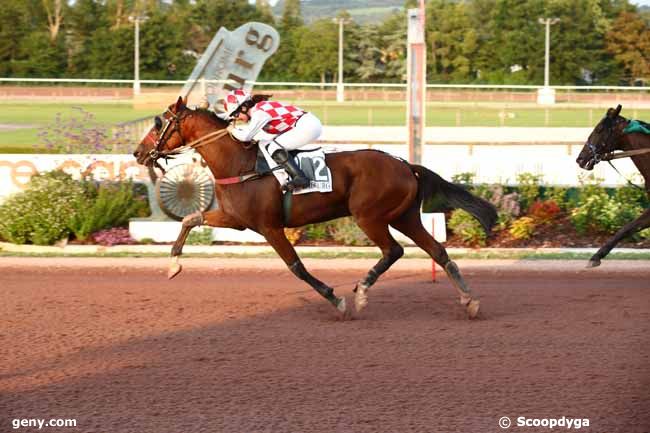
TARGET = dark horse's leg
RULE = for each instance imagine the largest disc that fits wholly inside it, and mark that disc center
(278, 240)
(640, 223)
(391, 251)
(411, 225)
(214, 218)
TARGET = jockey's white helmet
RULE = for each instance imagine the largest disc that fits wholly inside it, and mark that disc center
(234, 99)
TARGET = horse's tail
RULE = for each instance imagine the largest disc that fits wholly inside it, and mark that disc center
(432, 185)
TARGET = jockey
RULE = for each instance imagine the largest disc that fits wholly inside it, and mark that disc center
(277, 126)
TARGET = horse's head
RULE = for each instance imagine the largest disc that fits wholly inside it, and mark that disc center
(164, 136)
(604, 139)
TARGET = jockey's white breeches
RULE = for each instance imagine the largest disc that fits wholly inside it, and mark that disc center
(306, 130)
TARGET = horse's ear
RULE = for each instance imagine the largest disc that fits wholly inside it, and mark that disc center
(618, 110)
(180, 104)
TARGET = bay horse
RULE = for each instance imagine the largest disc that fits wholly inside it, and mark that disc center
(374, 187)
(606, 142)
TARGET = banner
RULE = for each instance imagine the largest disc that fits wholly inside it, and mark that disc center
(233, 60)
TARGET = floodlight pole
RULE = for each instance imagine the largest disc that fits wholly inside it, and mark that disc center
(136, 52)
(547, 95)
(340, 94)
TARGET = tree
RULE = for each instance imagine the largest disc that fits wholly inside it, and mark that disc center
(316, 50)
(628, 41)
(453, 42)
(393, 47)
(54, 10)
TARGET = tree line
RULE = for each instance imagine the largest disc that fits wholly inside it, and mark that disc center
(600, 42)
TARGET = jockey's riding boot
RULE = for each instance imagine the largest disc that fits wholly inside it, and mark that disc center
(298, 178)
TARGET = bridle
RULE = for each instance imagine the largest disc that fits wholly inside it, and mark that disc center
(602, 154)
(609, 155)
(174, 125)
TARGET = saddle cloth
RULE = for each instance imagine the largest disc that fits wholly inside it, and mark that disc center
(311, 162)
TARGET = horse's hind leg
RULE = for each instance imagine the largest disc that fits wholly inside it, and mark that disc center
(278, 240)
(391, 251)
(640, 223)
(411, 225)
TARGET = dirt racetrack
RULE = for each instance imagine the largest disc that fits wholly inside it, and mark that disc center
(240, 345)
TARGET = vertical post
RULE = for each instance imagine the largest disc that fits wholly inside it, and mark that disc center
(546, 95)
(547, 50)
(416, 84)
(136, 19)
(340, 95)
(136, 60)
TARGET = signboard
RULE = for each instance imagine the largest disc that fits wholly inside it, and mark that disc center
(233, 60)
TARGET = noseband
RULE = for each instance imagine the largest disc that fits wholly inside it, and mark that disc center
(601, 154)
(157, 152)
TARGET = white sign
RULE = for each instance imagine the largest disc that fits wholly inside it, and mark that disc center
(233, 60)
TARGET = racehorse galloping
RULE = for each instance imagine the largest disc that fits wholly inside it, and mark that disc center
(377, 189)
(603, 142)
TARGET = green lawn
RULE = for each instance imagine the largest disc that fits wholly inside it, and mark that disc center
(37, 116)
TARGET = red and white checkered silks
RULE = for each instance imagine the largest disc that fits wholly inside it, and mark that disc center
(283, 117)
(234, 99)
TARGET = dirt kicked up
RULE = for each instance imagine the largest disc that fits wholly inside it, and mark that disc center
(242, 346)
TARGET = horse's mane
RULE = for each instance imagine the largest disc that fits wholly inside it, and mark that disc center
(212, 116)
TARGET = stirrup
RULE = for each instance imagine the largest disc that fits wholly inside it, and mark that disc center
(291, 186)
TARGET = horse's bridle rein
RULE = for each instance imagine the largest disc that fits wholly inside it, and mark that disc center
(156, 153)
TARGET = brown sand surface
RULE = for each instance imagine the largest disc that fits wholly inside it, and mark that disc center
(240, 345)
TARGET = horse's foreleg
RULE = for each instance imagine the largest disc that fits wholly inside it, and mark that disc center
(214, 218)
(278, 240)
(640, 223)
(391, 252)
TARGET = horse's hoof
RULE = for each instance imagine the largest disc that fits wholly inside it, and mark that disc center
(175, 268)
(342, 308)
(593, 263)
(360, 297)
(472, 308)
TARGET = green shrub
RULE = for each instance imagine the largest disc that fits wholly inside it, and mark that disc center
(346, 231)
(201, 236)
(644, 234)
(559, 195)
(529, 189)
(467, 227)
(317, 232)
(106, 205)
(40, 214)
(523, 228)
(464, 178)
(597, 211)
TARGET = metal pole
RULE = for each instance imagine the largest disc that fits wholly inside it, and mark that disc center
(547, 51)
(340, 96)
(136, 19)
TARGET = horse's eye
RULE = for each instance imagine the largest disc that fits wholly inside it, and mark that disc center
(158, 121)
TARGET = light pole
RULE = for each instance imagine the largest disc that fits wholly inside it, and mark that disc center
(547, 95)
(340, 95)
(136, 55)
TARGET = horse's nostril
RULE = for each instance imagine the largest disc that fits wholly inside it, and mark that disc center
(136, 154)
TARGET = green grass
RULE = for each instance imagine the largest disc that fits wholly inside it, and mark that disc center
(364, 113)
(39, 115)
